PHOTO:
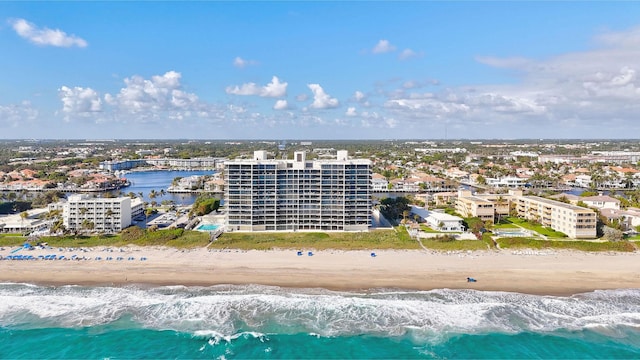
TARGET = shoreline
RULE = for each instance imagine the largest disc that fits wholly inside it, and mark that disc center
(558, 273)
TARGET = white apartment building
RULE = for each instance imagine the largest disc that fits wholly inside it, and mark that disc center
(288, 195)
(507, 181)
(379, 183)
(106, 214)
(137, 207)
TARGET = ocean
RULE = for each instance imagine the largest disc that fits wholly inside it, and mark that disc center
(261, 322)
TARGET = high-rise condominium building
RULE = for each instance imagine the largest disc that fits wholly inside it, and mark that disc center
(288, 195)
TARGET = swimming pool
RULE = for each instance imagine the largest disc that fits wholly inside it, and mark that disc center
(514, 233)
(208, 227)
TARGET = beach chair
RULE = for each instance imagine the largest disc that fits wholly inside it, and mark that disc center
(143, 258)
(373, 254)
(310, 253)
(299, 253)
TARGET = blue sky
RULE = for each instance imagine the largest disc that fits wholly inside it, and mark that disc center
(319, 70)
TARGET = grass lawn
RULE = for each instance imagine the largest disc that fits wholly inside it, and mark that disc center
(427, 229)
(11, 239)
(537, 228)
(633, 238)
(378, 239)
(529, 243)
(177, 238)
(503, 225)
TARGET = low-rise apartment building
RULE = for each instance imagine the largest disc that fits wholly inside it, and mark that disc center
(82, 212)
(574, 221)
(469, 205)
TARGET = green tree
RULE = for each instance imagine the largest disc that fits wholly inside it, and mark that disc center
(204, 205)
(108, 219)
(500, 201)
(147, 212)
(481, 180)
(87, 225)
(58, 226)
(23, 215)
(393, 208)
(405, 214)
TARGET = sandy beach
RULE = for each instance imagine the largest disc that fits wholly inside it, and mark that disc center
(524, 271)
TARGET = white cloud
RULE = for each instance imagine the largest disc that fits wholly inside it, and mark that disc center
(351, 111)
(568, 95)
(280, 105)
(149, 97)
(78, 101)
(14, 115)
(273, 89)
(322, 100)
(383, 46)
(45, 36)
(407, 54)
(359, 96)
(510, 62)
(244, 89)
(302, 97)
(242, 63)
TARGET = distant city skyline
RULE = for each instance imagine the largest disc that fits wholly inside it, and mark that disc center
(319, 70)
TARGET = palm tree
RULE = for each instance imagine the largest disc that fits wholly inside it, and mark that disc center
(23, 215)
(87, 224)
(108, 214)
(58, 225)
(147, 212)
(404, 215)
(500, 201)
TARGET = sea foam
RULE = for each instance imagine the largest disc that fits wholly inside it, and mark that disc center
(223, 313)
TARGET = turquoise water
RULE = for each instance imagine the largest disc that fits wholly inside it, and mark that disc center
(207, 227)
(239, 322)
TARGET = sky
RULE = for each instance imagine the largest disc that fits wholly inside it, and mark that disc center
(320, 70)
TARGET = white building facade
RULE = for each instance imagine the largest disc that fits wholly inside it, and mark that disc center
(105, 214)
(289, 195)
